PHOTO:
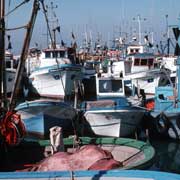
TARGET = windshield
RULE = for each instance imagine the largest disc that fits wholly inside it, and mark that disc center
(110, 85)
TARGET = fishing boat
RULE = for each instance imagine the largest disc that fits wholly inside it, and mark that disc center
(143, 71)
(125, 153)
(53, 70)
(55, 75)
(104, 175)
(166, 110)
(40, 115)
(111, 113)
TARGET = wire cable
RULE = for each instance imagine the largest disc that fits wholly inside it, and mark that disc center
(19, 5)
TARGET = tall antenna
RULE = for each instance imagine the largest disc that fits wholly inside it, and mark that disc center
(139, 26)
(52, 18)
(167, 33)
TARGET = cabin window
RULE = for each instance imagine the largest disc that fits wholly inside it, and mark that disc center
(62, 54)
(132, 51)
(47, 54)
(136, 62)
(55, 54)
(150, 62)
(143, 62)
(110, 86)
(104, 86)
(116, 85)
(137, 50)
(8, 64)
(161, 96)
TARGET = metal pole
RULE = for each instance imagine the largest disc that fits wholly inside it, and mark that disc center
(1, 52)
(21, 65)
(168, 38)
(2, 56)
(178, 64)
(139, 24)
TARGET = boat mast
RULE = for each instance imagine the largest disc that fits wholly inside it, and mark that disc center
(178, 61)
(21, 64)
(167, 33)
(139, 25)
(139, 20)
(49, 27)
(3, 95)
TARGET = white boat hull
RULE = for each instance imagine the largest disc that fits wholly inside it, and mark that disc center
(54, 84)
(113, 123)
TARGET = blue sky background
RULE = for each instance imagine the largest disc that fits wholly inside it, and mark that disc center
(108, 18)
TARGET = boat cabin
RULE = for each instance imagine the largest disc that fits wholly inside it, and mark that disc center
(60, 52)
(109, 87)
(134, 49)
(141, 62)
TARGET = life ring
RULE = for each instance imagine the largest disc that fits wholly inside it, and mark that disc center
(162, 123)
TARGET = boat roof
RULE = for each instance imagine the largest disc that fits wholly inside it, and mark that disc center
(141, 55)
(49, 49)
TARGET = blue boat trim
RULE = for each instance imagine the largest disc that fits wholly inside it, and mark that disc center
(156, 175)
(40, 103)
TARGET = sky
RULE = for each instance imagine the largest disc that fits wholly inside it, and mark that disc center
(106, 19)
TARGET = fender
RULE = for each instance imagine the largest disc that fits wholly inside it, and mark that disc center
(162, 123)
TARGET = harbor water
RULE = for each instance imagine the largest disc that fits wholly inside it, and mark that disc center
(167, 157)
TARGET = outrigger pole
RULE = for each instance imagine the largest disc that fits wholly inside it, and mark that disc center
(21, 64)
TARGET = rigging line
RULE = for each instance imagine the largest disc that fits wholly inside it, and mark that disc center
(9, 4)
(16, 28)
(19, 5)
(47, 21)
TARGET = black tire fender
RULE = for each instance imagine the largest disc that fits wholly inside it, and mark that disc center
(162, 123)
